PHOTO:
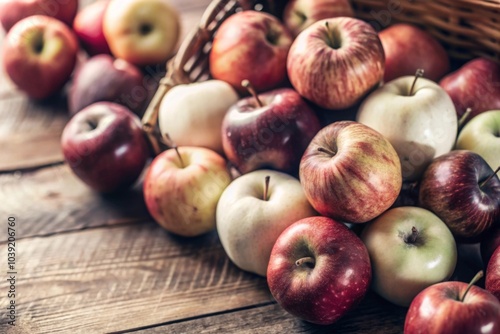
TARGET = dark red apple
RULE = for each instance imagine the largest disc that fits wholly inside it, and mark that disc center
(462, 189)
(318, 270)
(408, 48)
(13, 11)
(493, 274)
(271, 131)
(475, 85)
(105, 147)
(88, 27)
(451, 308)
(103, 78)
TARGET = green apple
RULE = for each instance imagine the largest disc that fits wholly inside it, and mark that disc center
(410, 249)
(482, 136)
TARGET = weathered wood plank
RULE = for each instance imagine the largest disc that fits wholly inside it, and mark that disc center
(53, 200)
(30, 130)
(373, 315)
(113, 279)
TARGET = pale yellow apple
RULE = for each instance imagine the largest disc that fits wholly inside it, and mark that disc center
(143, 32)
(249, 224)
(482, 136)
(192, 114)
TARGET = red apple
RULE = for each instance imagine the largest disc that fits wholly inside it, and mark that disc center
(105, 147)
(493, 274)
(318, 270)
(475, 85)
(143, 32)
(335, 62)
(88, 27)
(408, 48)
(182, 188)
(489, 244)
(250, 45)
(103, 78)
(450, 308)
(462, 189)
(350, 172)
(13, 11)
(300, 14)
(270, 131)
(39, 55)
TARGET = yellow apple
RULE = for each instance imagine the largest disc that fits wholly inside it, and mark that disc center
(143, 32)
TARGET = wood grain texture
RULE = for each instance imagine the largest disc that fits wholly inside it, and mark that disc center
(118, 278)
(30, 130)
(53, 200)
(373, 315)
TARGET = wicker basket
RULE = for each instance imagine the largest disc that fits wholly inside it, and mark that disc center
(467, 29)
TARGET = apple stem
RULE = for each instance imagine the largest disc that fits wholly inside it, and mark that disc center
(476, 278)
(174, 146)
(325, 150)
(418, 74)
(410, 239)
(490, 177)
(330, 36)
(252, 91)
(464, 117)
(301, 15)
(308, 261)
(266, 187)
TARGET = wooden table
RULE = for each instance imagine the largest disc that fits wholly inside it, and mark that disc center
(87, 263)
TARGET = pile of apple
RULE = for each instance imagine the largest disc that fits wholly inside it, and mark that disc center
(108, 58)
(326, 211)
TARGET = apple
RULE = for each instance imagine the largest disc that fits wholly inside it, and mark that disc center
(493, 274)
(88, 27)
(192, 114)
(253, 46)
(416, 116)
(105, 147)
(462, 190)
(103, 78)
(350, 172)
(253, 211)
(143, 32)
(269, 130)
(475, 85)
(182, 188)
(410, 249)
(453, 307)
(39, 55)
(490, 242)
(408, 48)
(482, 135)
(13, 11)
(319, 270)
(300, 14)
(335, 62)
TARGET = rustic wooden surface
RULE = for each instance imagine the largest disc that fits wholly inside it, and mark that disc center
(89, 263)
